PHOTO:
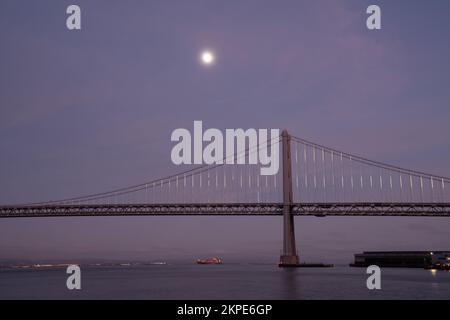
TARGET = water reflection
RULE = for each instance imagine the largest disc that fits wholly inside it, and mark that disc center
(291, 283)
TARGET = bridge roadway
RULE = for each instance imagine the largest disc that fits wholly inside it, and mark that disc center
(229, 209)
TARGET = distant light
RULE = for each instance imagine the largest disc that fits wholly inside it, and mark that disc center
(433, 271)
(207, 57)
(431, 253)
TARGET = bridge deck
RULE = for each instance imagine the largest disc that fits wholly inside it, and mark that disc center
(230, 209)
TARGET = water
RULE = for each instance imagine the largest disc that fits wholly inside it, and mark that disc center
(227, 281)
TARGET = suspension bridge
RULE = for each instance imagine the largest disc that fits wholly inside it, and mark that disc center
(314, 180)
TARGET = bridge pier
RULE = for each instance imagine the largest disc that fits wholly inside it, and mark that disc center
(289, 257)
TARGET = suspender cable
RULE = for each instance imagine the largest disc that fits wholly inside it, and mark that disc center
(390, 185)
(432, 189)
(381, 186)
(421, 189)
(411, 187)
(323, 176)
(332, 175)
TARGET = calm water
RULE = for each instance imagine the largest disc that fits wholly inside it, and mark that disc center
(226, 281)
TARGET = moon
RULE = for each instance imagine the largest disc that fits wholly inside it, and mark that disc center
(207, 58)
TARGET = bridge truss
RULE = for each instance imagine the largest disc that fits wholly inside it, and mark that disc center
(230, 209)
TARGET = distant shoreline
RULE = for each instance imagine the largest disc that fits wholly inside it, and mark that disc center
(36, 266)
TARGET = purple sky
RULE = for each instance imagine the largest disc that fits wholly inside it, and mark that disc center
(92, 110)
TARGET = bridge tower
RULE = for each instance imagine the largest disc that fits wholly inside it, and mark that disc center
(289, 257)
